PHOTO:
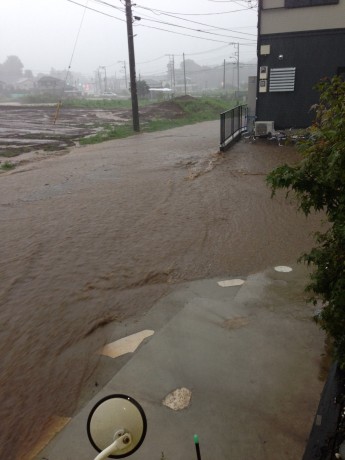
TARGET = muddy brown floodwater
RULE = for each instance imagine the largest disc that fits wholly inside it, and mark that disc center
(96, 236)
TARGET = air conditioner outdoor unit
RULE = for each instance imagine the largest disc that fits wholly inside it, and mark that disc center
(264, 128)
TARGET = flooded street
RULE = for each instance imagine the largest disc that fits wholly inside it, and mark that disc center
(98, 235)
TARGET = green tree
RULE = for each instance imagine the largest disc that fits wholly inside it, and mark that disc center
(11, 70)
(318, 181)
(143, 88)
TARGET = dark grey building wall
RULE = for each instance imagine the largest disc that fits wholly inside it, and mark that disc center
(315, 55)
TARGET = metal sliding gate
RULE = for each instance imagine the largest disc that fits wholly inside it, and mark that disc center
(232, 123)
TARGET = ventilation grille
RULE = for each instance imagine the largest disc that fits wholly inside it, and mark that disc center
(282, 79)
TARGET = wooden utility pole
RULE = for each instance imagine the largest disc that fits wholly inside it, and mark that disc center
(238, 70)
(131, 56)
(174, 80)
(184, 75)
(237, 54)
(224, 76)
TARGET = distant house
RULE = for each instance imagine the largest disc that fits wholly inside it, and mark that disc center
(299, 43)
(48, 83)
(25, 84)
(52, 85)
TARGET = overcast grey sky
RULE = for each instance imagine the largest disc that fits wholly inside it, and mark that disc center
(43, 33)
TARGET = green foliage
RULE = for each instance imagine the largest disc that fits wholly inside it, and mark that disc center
(204, 108)
(11, 70)
(143, 88)
(195, 110)
(319, 184)
(7, 166)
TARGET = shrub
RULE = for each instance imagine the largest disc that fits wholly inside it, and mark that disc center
(318, 181)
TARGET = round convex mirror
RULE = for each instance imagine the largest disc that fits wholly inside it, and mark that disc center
(114, 413)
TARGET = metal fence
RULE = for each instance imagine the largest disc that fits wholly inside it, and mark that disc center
(328, 430)
(232, 123)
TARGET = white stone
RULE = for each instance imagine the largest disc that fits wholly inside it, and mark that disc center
(178, 399)
(283, 269)
(230, 283)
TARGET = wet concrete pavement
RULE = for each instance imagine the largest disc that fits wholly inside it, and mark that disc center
(250, 356)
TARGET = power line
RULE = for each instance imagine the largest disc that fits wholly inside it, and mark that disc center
(194, 30)
(175, 17)
(187, 54)
(185, 35)
(102, 2)
(237, 3)
(198, 14)
(153, 60)
(152, 27)
(195, 22)
(96, 11)
(209, 51)
(70, 64)
(77, 37)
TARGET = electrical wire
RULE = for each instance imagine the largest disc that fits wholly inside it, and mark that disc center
(195, 30)
(199, 14)
(102, 2)
(96, 11)
(58, 107)
(180, 33)
(209, 51)
(77, 38)
(175, 17)
(152, 60)
(196, 22)
(237, 3)
(156, 28)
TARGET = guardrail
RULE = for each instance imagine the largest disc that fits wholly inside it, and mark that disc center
(232, 123)
(328, 430)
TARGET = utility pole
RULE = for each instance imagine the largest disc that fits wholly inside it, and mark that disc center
(134, 95)
(99, 81)
(237, 54)
(125, 70)
(105, 78)
(184, 76)
(174, 80)
(238, 70)
(171, 72)
(224, 76)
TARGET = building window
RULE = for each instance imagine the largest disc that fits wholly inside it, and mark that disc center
(300, 3)
(282, 79)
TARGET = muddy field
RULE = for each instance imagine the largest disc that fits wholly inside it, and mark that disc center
(30, 128)
(96, 236)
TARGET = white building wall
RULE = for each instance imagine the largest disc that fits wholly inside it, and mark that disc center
(277, 19)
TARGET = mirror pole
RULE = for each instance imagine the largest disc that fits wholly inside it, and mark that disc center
(122, 441)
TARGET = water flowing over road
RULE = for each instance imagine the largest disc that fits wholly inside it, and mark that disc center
(96, 236)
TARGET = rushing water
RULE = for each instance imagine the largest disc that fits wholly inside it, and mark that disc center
(97, 236)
